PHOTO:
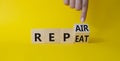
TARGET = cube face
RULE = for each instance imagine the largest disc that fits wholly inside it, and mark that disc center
(67, 35)
(80, 33)
(53, 35)
(81, 37)
(83, 28)
(38, 33)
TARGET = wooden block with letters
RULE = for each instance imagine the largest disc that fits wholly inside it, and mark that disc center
(80, 33)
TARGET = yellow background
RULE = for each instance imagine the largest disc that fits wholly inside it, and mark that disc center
(19, 17)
